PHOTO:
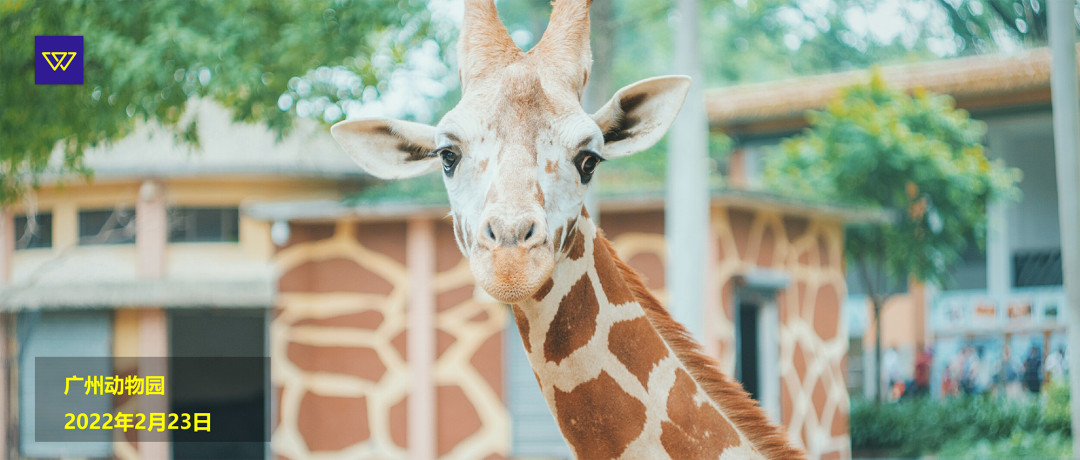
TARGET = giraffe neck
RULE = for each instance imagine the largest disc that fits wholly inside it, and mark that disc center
(617, 388)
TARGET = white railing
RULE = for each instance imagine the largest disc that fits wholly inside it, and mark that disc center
(978, 311)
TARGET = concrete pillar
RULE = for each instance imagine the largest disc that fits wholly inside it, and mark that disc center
(153, 346)
(998, 254)
(1065, 96)
(686, 218)
(737, 169)
(420, 341)
(151, 239)
(714, 303)
(151, 230)
(65, 225)
(4, 388)
(7, 245)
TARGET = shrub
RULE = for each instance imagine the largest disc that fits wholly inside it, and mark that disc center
(1056, 407)
(926, 426)
(1019, 445)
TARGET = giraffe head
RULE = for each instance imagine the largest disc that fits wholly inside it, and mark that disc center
(518, 152)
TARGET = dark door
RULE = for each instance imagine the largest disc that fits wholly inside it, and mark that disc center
(747, 348)
(214, 333)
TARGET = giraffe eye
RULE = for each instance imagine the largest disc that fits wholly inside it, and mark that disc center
(588, 165)
(449, 160)
(586, 162)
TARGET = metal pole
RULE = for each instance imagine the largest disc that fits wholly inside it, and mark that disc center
(1066, 103)
(686, 219)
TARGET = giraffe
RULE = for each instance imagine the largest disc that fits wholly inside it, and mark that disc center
(517, 154)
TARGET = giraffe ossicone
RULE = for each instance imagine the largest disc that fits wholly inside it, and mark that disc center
(517, 154)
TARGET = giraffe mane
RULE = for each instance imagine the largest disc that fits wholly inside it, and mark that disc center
(736, 403)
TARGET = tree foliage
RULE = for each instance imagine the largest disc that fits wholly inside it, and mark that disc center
(268, 61)
(981, 25)
(917, 155)
(877, 147)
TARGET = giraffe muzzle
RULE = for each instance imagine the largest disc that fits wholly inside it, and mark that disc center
(512, 259)
(527, 233)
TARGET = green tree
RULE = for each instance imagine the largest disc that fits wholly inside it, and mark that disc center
(269, 61)
(981, 25)
(918, 156)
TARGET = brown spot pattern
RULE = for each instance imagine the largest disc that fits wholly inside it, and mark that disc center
(449, 299)
(795, 226)
(361, 362)
(456, 418)
(540, 195)
(558, 239)
(331, 423)
(523, 327)
(443, 341)
(576, 247)
(637, 346)
(599, 419)
(550, 168)
(544, 290)
(827, 312)
(574, 323)
(615, 288)
(487, 360)
(694, 431)
(483, 165)
(333, 275)
(399, 423)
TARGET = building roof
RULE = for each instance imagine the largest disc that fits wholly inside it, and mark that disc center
(197, 275)
(977, 82)
(226, 148)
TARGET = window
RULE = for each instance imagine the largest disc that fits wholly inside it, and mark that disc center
(110, 226)
(1037, 268)
(33, 231)
(61, 334)
(203, 225)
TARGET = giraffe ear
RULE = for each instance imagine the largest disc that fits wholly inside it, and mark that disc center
(388, 149)
(639, 115)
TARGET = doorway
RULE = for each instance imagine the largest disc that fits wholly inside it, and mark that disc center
(757, 348)
(220, 333)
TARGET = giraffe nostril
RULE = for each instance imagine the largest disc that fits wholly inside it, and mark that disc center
(529, 234)
(490, 233)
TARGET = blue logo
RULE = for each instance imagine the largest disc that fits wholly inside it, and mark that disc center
(58, 60)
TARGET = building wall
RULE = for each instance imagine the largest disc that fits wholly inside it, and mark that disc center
(813, 339)
(338, 333)
(338, 348)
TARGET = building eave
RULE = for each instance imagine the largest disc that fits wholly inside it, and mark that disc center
(976, 83)
(328, 210)
(140, 293)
